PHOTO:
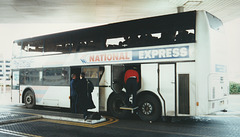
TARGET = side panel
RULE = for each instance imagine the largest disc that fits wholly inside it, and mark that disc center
(57, 96)
(149, 77)
(167, 86)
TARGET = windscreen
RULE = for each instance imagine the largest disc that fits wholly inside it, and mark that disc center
(214, 22)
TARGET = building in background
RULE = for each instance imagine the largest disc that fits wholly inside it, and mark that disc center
(5, 72)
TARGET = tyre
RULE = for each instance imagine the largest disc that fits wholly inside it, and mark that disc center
(29, 99)
(116, 101)
(149, 108)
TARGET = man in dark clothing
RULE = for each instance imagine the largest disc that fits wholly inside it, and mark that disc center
(131, 80)
(85, 97)
(73, 93)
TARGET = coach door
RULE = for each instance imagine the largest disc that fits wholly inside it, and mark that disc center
(117, 77)
(15, 96)
(167, 87)
(92, 74)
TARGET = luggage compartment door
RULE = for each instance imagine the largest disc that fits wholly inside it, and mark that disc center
(167, 87)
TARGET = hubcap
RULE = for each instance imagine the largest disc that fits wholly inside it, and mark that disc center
(147, 108)
(28, 99)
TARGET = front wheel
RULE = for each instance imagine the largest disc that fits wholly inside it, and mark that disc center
(29, 99)
(116, 101)
(149, 108)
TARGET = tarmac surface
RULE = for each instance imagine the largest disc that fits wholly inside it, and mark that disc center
(16, 120)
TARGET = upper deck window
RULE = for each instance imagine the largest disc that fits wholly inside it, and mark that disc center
(153, 31)
(57, 45)
(32, 48)
(152, 39)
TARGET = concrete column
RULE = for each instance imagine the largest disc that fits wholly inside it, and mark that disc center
(4, 85)
(180, 9)
(4, 75)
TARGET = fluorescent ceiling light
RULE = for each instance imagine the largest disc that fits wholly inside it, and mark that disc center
(193, 3)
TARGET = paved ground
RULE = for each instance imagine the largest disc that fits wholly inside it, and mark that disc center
(213, 126)
(217, 125)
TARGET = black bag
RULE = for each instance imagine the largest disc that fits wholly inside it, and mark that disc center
(95, 116)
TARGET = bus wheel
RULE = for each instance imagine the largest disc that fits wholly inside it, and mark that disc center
(116, 101)
(29, 99)
(149, 108)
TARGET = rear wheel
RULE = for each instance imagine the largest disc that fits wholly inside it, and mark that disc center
(29, 99)
(149, 108)
(116, 101)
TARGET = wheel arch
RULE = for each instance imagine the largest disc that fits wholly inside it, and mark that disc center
(110, 96)
(114, 102)
(147, 92)
(24, 92)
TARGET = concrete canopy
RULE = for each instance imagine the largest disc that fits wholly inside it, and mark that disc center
(107, 11)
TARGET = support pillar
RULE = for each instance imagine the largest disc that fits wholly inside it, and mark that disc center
(180, 9)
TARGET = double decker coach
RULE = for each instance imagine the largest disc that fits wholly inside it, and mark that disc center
(178, 57)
